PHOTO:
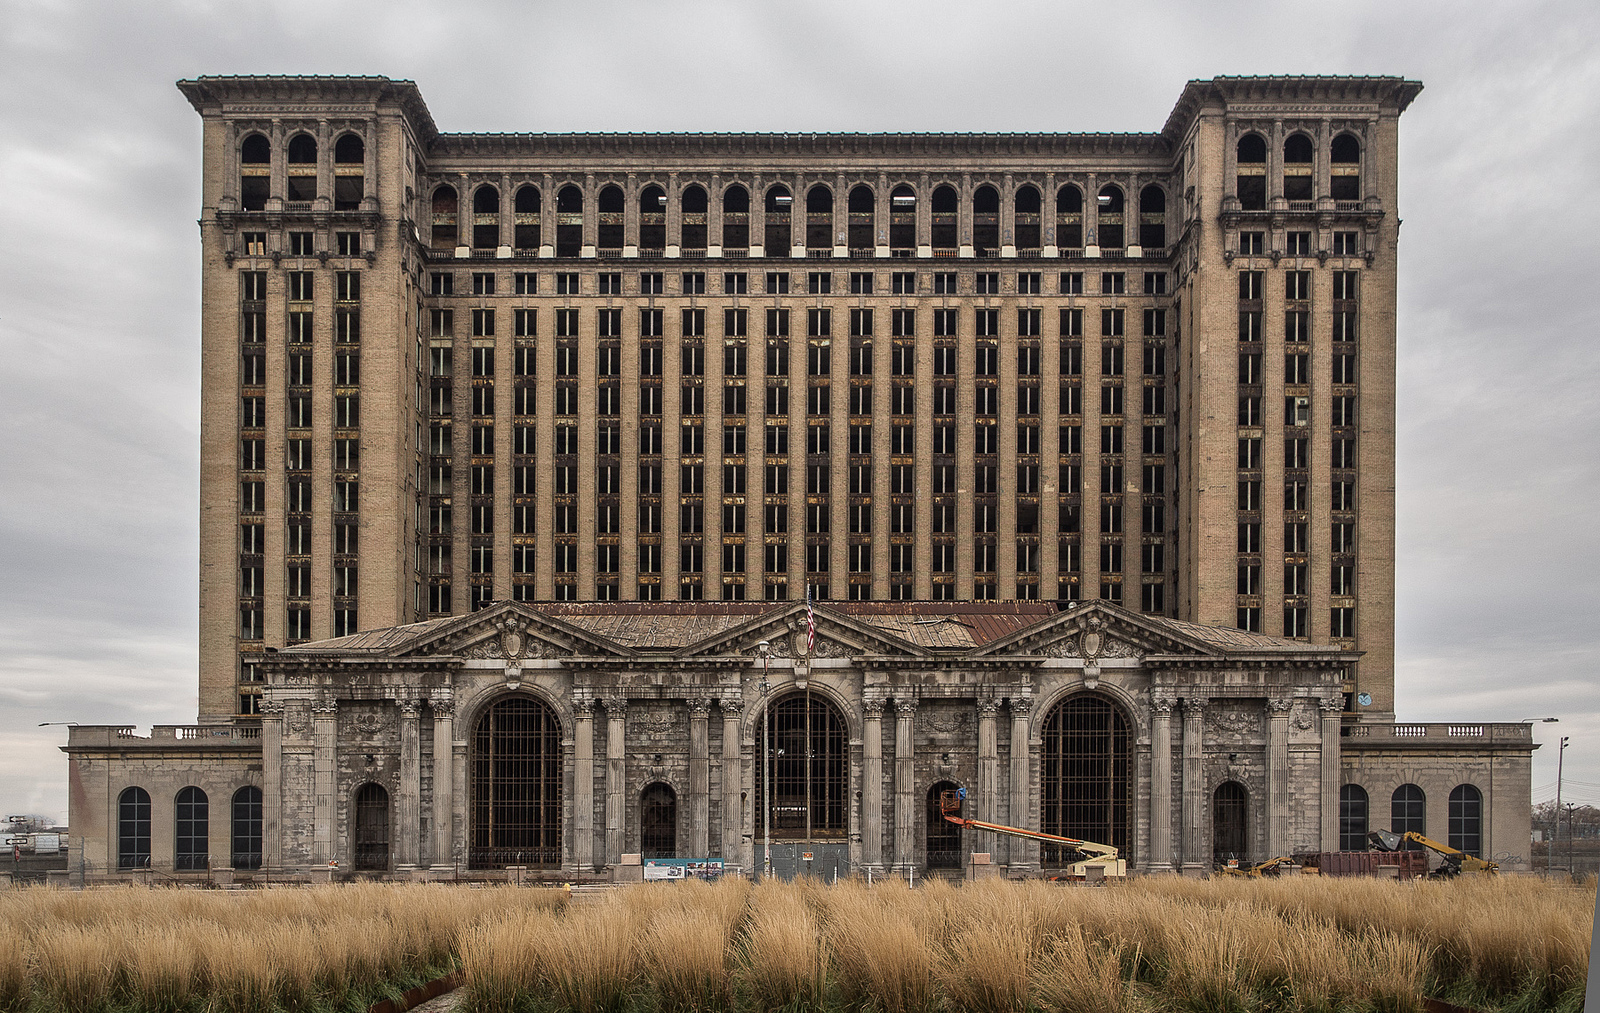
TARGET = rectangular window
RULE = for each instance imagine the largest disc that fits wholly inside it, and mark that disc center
(735, 283)
(860, 282)
(694, 283)
(777, 283)
(1112, 283)
(903, 283)
(819, 282)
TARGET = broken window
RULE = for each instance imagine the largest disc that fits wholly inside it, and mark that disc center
(1111, 201)
(986, 221)
(1297, 167)
(349, 156)
(779, 205)
(302, 168)
(861, 231)
(903, 218)
(1153, 217)
(946, 207)
(819, 218)
(444, 217)
(1069, 217)
(569, 221)
(611, 208)
(1345, 183)
(255, 173)
(735, 218)
(1251, 178)
(652, 218)
(525, 210)
(1026, 205)
(693, 203)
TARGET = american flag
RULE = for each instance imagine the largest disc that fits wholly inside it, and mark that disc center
(811, 624)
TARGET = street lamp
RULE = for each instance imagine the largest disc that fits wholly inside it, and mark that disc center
(764, 652)
(1561, 756)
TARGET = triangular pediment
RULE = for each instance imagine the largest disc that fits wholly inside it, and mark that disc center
(514, 632)
(838, 636)
(1097, 630)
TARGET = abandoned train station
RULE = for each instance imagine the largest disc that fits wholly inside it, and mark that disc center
(572, 498)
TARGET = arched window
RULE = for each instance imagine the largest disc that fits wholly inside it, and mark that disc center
(569, 221)
(819, 200)
(903, 218)
(485, 218)
(1086, 790)
(1352, 818)
(819, 218)
(525, 207)
(1153, 217)
(945, 205)
(1111, 205)
(443, 206)
(133, 829)
(255, 173)
(658, 822)
(191, 831)
(1297, 168)
(806, 752)
(516, 786)
(1408, 811)
(779, 206)
(652, 218)
(693, 203)
(1345, 155)
(1466, 820)
(862, 228)
(1251, 180)
(349, 184)
(371, 819)
(612, 208)
(247, 828)
(349, 149)
(986, 221)
(942, 839)
(302, 168)
(736, 218)
(1026, 204)
(1069, 217)
(1230, 822)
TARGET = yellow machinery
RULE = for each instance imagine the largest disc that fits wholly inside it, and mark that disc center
(1257, 871)
(1104, 856)
(1455, 861)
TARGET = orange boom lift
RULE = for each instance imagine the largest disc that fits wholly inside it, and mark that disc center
(1103, 856)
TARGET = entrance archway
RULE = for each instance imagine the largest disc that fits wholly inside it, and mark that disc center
(809, 761)
(1085, 788)
(372, 827)
(942, 839)
(516, 786)
(658, 822)
(1230, 816)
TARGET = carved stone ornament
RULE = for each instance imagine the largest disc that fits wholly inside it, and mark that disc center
(731, 706)
(368, 724)
(512, 638)
(906, 708)
(947, 721)
(1021, 706)
(1066, 647)
(1331, 702)
(488, 647)
(656, 720)
(1301, 722)
(1092, 641)
(1229, 721)
(442, 708)
(1280, 704)
(699, 707)
(1163, 700)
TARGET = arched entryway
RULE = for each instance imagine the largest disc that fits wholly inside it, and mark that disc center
(372, 827)
(658, 822)
(941, 839)
(1230, 817)
(516, 786)
(807, 754)
(1085, 788)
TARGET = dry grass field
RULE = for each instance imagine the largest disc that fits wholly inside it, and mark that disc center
(1305, 944)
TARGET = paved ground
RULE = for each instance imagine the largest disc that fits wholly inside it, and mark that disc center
(443, 1004)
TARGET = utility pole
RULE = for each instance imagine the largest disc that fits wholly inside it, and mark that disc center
(1561, 756)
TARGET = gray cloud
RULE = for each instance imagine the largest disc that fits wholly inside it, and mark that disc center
(99, 299)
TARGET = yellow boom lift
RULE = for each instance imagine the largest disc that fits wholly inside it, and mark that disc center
(1102, 856)
(1455, 861)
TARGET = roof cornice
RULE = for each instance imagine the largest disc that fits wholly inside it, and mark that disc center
(1392, 93)
(217, 93)
(829, 145)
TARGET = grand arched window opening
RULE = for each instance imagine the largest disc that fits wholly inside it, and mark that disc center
(1297, 166)
(133, 829)
(652, 219)
(1085, 788)
(862, 209)
(443, 208)
(302, 168)
(1250, 181)
(191, 831)
(612, 213)
(1153, 217)
(1069, 217)
(485, 218)
(695, 206)
(349, 158)
(1466, 820)
(819, 218)
(903, 220)
(1026, 205)
(942, 838)
(1352, 818)
(779, 206)
(806, 751)
(946, 211)
(247, 828)
(372, 827)
(1230, 822)
(658, 822)
(1110, 217)
(255, 173)
(569, 221)
(986, 221)
(516, 786)
(1345, 183)
(1408, 812)
(526, 212)
(735, 218)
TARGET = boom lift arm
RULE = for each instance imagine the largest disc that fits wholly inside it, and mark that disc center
(950, 808)
(1455, 862)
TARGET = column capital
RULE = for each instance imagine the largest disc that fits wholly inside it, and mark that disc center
(988, 708)
(1021, 706)
(731, 706)
(1162, 701)
(616, 708)
(905, 707)
(1195, 705)
(583, 708)
(699, 707)
(327, 708)
(409, 708)
(1279, 706)
(1331, 703)
(442, 707)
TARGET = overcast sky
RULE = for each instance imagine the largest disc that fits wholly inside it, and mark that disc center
(99, 321)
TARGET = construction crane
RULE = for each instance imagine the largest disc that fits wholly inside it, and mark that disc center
(1455, 861)
(1104, 855)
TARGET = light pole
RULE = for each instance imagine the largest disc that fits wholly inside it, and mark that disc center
(764, 650)
(1561, 756)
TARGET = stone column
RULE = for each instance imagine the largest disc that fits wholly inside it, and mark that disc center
(271, 783)
(324, 764)
(583, 785)
(1008, 216)
(872, 786)
(732, 781)
(463, 210)
(699, 778)
(409, 813)
(1278, 776)
(1196, 851)
(616, 777)
(508, 215)
(988, 788)
(758, 218)
(905, 778)
(1161, 704)
(1332, 710)
(1023, 856)
(964, 216)
(444, 785)
(591, 216)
